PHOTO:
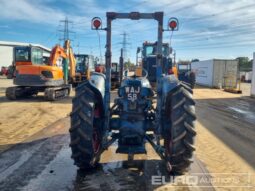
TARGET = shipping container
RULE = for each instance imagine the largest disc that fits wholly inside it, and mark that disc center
(216, 73)
(248, 76)
(245, 76)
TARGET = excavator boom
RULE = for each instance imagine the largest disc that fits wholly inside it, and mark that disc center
(71, 58)
(56, 53)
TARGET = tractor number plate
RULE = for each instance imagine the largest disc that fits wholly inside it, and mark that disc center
(132, 92)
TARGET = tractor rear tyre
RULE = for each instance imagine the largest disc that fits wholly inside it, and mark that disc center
(86, 123)
(179, 129)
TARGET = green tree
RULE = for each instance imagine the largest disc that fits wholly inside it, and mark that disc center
(250, 64)
(244, 63)
(195, 60)
(184, 62)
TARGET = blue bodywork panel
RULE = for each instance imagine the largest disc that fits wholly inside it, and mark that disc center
(168, 83)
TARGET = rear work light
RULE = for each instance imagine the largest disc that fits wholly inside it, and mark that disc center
(173, 24)
(96, 23)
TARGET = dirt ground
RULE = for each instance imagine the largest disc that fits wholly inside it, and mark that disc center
(21, 119)
(35, 154)
(226, 131)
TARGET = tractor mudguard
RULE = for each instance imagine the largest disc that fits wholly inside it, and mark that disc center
(168, 83)
(97, 80)
(97, 86)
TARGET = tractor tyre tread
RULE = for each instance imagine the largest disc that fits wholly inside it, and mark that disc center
(81, 130)
(181, 132)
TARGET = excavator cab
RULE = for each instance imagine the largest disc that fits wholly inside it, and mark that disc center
(28, 55)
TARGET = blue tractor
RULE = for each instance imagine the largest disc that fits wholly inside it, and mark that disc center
(183, 71)
(149, 56)
(133, 120)
(186, 75)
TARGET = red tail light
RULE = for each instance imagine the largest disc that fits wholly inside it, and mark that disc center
(96, 23)
(170, 71)
(98, 69)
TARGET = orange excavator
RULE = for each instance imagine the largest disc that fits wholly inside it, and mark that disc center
(34, 76)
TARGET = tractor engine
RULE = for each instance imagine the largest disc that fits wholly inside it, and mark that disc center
(134, 108)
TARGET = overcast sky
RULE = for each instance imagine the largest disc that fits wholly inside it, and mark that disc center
(208, 28)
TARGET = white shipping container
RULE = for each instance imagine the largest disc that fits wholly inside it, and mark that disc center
(248, 76)
(216, 73)
(203, 70)
(242, 74)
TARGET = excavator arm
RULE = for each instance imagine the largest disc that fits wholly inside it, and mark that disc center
(56, 53)
(65, 52)
(70, 55)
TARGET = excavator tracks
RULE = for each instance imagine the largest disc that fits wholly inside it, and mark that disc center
(50, 93)
(17, 92)
(54, 93)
